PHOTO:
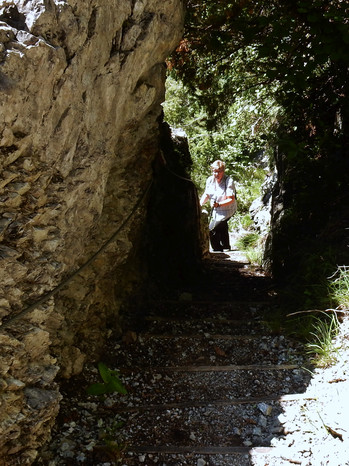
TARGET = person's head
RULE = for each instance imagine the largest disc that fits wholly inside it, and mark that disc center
(217, 169)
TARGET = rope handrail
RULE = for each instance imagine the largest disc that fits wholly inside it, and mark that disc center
(179, 176)
(165, 165)
(55, 290)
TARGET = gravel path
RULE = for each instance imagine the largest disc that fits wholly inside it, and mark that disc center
(208, 384)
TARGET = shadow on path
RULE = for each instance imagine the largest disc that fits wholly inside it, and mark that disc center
(207, 380)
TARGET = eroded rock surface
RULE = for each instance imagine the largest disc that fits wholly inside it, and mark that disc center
(81, 85)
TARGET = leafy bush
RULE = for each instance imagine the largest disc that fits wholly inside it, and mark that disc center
(232, 142)
(235, 139)
(240, 221)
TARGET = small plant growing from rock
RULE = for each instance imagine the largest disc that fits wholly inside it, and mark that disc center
(111, 382)
(114, 446)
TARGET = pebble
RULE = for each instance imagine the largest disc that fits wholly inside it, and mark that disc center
(67, 446)
(108, 402)
(265, 409)
(262, 421)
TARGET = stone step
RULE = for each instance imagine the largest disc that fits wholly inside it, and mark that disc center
(220, 326)
(151, 351)
(200, 309)
(247, 424)
(222, 434)
(210, 385)
(181, 456)
(212, 456)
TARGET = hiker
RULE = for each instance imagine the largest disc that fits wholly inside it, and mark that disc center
(220, 191)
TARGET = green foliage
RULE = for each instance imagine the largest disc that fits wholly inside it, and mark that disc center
(240, 222)
(325, 329)
(114, 446)
(255, 255)
(271, 77)
(111, 382)
(253, 247)
(291, 55)
(233, 142)
(318, 331)
(247, 241)
(114, 450)
(248, 186)
(339, 287)
(181, 109)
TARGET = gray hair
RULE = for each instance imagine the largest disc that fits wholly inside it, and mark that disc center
(218, 165)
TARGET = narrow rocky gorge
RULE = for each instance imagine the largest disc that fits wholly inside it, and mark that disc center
(97, 215)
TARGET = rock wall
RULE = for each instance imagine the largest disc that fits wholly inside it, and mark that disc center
(260, 209)
(309, 234)
(173, 239)
(81, 84)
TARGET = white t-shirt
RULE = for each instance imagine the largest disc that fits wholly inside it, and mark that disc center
(218, 192)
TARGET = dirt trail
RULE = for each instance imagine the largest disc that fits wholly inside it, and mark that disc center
(207, 381)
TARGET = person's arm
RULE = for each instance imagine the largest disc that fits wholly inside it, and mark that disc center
(228, 200)
(204, 198)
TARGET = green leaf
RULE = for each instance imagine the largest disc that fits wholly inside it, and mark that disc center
(117, 386)
(115, 373)
(104, 372)
(97, 389)
(111, 384)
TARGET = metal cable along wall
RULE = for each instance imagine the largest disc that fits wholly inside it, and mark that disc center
(65, 282)
(189, 181)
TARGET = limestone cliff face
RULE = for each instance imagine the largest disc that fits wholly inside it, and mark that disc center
(81, 85)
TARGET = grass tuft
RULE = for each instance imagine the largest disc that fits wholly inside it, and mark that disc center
(339, 287)
(252, 246)
(321, 345)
